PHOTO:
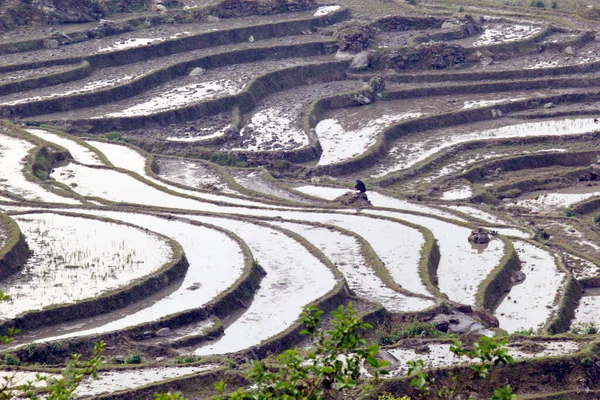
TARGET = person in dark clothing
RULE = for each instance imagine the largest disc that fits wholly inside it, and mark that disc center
(360, 186)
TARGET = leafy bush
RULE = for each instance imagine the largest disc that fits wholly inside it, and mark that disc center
(11, 359)
(537, 3)
(597, 219)
(187, 359)
(389, 334)
(584, 328)
(134, 358)
(569, 212)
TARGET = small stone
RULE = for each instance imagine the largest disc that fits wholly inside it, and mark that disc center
(120, 360)
(50, 44)
(212, 18)
(163, 332)
(549, 105)
(360, 62)
(159, 359)
(251, 39)
(422, 349)
(160, 8)
(569, 50)
(197, 71)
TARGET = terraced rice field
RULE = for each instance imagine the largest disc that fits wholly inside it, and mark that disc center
(172, 187)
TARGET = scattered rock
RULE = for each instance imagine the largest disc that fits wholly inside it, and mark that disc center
(251, 39)
(442, 326)
(486, 61)
(159, 359)
(360, 62)
(549, 105)
(50, 44)
(451, 24)
(517, 277)
(120, 360)
(422, 349)
(354, 199)
(212, 18)
(163, 332)
(194, 286)
(197, 71)
(569, 50)
(496, 113)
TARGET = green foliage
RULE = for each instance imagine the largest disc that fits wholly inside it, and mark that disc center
(11, 359)
(114, 136)
(584, 328)
(489, 353)
(597, 219)
(569, 212)
(390, 334)
(389, 396)
(134, 358)
(169, 396)
(61, 388)
(329, 370)
(537, 3)
(187, 359)
(524, 332)
(554, 4)
(461, 9)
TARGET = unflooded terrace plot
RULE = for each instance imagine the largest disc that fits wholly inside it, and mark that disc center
(556, 200)
(586, 54)
(192, 173)
(276, 123)
(14, 158)
(110, 77)
(412, 149)
(203, 128)
(256, 180)
(346, 133)
(214, 83)
(79, 258)
(143, 36)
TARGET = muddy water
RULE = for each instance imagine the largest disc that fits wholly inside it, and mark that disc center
(347, 133)
(412, 149)
(284, 290)
(78, 258)
(89, 47)
(216, 262)
(345, 252)
(12, 153)
(108, 77)
(440, 356)
(589, 308)
(129, 159)
(462, 266)
(80, 153)
(531, 303)
(254, 180)
(113, 381)
(277, 122)
(555, 200)
(192, 173)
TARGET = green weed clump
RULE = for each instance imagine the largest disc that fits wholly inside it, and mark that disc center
(584, 328)
(388, 334)
(187, 359)
(134, 358)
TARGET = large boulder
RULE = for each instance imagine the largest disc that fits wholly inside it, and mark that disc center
(354, 199)
(479, 236)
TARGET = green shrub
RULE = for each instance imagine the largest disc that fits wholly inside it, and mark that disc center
(584, 328)
(597, 219)
(116, 136)
(187, 359)
(134, 358)
(388, 335)
(537, 3)
(554, 5)
(569, 212)
(11, 359)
